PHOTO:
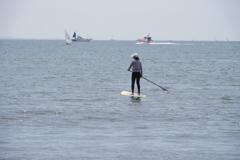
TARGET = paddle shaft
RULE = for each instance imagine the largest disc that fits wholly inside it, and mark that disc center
(154, 83)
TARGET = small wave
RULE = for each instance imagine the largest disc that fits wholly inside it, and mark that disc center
(225, 97)
(164, 43)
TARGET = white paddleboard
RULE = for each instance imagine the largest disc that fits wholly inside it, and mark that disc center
(126, 93)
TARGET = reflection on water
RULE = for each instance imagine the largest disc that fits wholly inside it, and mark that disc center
(135, 99)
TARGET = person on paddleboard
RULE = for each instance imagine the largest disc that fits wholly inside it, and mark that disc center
(137, 73)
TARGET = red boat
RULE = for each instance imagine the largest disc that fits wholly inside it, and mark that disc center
(146, 39)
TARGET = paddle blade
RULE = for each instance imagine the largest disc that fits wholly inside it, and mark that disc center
(165, 90)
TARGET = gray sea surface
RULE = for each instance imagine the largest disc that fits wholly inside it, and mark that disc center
(63, 102)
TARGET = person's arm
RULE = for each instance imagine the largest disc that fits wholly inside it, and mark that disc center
(130, 66)
(141, 69)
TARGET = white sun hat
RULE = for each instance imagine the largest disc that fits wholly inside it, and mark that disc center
(134, 55)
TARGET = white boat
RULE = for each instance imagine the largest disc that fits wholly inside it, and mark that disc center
(77, 38)
(67, 38)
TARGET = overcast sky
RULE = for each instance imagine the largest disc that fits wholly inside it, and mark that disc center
(125, 19)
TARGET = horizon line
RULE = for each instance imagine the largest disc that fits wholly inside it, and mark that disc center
(11, 38)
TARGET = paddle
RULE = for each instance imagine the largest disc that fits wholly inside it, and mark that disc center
(165, 90)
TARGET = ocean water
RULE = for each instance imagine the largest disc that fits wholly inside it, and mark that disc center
(62, 101)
